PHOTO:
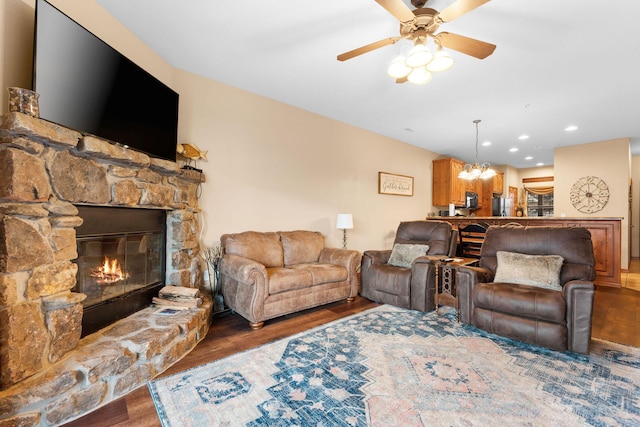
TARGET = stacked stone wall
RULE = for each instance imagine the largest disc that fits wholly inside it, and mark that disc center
(46, 171)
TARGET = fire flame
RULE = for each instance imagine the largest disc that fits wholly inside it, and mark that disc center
(109, 272)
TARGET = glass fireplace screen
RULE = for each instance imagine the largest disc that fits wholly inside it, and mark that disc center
(120, 252)
(112, 266)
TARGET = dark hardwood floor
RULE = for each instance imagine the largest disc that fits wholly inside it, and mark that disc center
(616, 318)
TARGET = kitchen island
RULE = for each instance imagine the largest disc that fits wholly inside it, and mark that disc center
(605, 234)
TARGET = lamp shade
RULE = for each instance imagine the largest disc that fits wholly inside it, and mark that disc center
(344, 221)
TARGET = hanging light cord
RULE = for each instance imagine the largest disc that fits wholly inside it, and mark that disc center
(476, 122)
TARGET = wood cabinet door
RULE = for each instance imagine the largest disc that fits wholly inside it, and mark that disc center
(458, 189)
(498, 183)
(606, 239)
(441, 190)
(447, 187)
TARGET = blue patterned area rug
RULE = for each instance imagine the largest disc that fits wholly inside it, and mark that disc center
(394, 367)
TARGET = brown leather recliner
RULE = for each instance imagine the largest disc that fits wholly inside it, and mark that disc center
(556, 319)
(412, 288)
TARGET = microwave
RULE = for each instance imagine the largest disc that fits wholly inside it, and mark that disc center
(471, 200)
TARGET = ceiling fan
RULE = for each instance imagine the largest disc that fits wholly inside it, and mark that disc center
(421, 24)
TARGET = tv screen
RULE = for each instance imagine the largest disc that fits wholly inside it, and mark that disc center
(86, 85)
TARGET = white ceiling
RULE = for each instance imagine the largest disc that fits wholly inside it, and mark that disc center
(557, 63)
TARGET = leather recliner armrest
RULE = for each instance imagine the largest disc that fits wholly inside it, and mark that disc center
(422, 283)
(466, 278)
(579, 297)
(376, 257)
(453, 245)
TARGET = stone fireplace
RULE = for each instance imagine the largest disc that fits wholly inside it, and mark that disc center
(48, 373)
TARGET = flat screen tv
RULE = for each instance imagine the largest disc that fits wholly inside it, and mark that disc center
(86, 85)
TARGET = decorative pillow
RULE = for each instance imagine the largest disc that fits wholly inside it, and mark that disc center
(535, 270)
(403, 254)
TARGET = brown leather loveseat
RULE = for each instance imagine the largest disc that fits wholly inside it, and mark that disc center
(533, 284)
(269, 274)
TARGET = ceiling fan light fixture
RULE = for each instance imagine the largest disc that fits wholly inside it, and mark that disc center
(419, 56)
(397, 68)
(441, 61)
(418, 27)
(419, 76)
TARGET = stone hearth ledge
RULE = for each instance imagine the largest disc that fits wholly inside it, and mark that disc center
(105, 366)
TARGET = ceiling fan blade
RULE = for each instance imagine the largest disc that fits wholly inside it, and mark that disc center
(398, 9)
(459, 8)
(466, 45)
(368, 48)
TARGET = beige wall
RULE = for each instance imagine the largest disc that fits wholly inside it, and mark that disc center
(510, 178)
(16, 39)
(537, 172)
(275, 167)
(608, 160)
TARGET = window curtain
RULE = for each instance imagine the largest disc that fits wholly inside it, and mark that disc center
(547, 189)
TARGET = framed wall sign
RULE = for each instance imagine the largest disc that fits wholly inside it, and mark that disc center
(391, 183)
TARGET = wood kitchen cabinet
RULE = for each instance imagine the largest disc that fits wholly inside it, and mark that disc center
(447, 187)
(498, 183)
(605, 235)
(472, 185)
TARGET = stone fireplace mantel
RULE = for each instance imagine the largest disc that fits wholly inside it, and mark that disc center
(48, 374)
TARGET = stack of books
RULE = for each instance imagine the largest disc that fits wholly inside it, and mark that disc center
(178, 297)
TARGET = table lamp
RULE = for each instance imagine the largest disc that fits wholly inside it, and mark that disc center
(344, 221)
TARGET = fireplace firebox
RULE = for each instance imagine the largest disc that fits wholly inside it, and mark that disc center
(121, 262)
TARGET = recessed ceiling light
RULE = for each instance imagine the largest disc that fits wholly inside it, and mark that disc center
(571, 128)
(523, 137)
(513, 150)
(528, 158)
(486, 143)
(539, 164)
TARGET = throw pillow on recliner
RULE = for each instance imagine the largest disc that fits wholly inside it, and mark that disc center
(535, 270)
(403, 254)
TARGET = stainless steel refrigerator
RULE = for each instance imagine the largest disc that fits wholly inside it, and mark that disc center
(500, 206)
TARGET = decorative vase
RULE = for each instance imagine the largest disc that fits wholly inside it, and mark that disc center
(23, 101)
(218, 300)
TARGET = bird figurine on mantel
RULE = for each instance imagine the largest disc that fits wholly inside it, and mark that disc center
(189, 152)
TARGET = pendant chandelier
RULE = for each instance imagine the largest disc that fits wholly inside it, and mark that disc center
(477, 170)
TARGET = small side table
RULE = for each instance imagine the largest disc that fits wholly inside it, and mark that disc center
(446, 282)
